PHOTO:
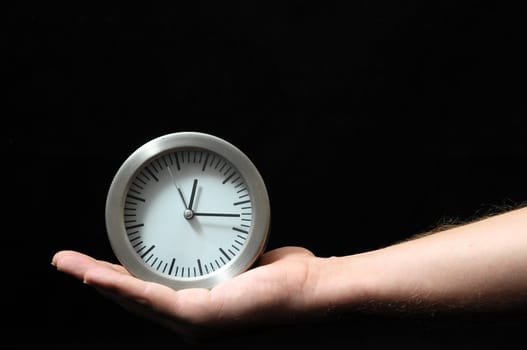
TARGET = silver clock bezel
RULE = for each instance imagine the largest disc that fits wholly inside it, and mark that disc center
(115, 202)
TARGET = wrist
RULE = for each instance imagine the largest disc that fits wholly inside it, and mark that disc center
(340, 284)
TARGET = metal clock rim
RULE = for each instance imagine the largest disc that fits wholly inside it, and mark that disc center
(258, 234)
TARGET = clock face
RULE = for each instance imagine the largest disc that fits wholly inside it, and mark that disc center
(187, 210)
(188, 213)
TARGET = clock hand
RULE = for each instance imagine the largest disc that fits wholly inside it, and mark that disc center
(178, 188)
(216, 214)
(192, 194)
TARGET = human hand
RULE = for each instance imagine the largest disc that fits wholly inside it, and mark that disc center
(275, 291)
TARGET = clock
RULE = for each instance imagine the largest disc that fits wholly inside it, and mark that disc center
(188, 210)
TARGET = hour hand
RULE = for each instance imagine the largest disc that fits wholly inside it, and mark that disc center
(194, 186)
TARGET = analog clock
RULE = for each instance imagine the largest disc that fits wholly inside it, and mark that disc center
(187, 209)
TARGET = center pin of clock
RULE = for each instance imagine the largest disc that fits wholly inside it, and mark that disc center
(188, 214)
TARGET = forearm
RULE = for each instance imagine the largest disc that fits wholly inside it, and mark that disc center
(481, 265)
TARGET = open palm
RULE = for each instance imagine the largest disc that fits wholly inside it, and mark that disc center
(273, 291)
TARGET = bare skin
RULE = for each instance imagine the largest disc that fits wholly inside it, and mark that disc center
(477, 266)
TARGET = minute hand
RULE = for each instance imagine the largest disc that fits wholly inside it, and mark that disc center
(217, 214)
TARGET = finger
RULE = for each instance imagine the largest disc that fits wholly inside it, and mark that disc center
(117, 268)
(73, 263)
(76, 264)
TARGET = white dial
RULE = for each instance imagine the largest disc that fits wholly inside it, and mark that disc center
(187, 210)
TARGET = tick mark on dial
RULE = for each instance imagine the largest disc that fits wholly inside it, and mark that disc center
(148, 251)
(135, 226)
(152, 174)
(171, 266)
(225, 254)
(136, 197)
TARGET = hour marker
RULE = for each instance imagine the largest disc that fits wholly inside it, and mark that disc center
(240, 230)
(225, 254)
(200, 268)
(228, 178)
(242, 202)
(148, 251)
(172, 266)
(135, 197)
(135, 226)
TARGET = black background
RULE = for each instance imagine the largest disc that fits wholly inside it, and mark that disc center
(369, 122)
